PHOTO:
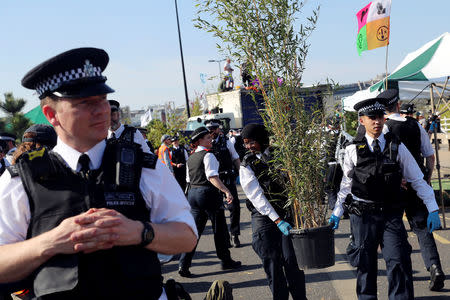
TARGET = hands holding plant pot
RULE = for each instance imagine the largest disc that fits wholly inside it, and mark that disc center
(284, 227)
(334, 221)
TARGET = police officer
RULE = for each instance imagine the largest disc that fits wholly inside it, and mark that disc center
(85, 220)
(206, 201)
(228, 158)
(236, 140)
(179, 159)
(117, 129)
(373, 169)
(407, 110)
(35, 137)
(144, 134)
(266, 199)
(3, 162)
(416, 140)
(10, 140)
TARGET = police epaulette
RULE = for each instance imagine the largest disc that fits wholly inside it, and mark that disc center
(13, 170)
(149, 160)
(247, 159)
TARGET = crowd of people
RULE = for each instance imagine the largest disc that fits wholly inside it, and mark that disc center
(87, 204)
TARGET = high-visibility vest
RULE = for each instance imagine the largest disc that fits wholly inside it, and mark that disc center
(161, 151)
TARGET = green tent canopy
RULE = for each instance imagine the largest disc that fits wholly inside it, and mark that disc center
(430, 61)
(36, 116)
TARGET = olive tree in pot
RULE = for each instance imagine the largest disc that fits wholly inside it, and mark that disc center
(272, 36)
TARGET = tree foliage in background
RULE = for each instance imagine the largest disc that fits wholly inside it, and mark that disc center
(15, 122)
(175, 123)
(351, 122)
(270, 35)
(196, 107)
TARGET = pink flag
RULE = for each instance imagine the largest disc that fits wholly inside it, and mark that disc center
(362, 16)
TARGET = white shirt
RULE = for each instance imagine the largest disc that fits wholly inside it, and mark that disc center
(138, 138)
(211, 164)
(230, 148)
(425, 145)
(10, 155)
(161, 193)
(254, 192)
(410, 170)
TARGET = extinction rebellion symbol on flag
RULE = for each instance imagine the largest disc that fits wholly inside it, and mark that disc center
(382, 33)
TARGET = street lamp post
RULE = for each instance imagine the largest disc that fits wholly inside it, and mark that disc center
(220, 69)
(182, 64)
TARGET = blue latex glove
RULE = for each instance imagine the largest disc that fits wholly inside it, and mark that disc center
(284, 227)
(335, 221)
(433, 221)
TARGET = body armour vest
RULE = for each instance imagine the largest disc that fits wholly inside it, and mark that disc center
(271, 185)
(196, 167)
(2, 166)
(55, 193)
(408, 133)
(178, 155)
(377, 177)
(223, 155)
(239, 146)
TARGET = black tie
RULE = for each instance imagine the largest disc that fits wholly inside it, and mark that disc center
(376, 147)
(113, 135)
(84, 163)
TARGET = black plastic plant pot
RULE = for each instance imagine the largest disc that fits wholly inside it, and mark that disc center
(314, 247)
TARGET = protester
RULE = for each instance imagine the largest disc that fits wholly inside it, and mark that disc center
(373, 169)
(85, 220)
(270, 221)
(228, 74)
(205, 200)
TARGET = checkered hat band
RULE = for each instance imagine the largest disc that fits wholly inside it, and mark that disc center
(54, 82)
(373, 107)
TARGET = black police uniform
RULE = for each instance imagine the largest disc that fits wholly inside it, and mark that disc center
(56, 192)
(2, 166)
(274, 248)
(239, 146)
(206, 203)
(52, 186)
(377, 176)
(228, 177)
(408, 132)
(178, 157)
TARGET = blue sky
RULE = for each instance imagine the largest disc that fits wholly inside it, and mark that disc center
(141, 39)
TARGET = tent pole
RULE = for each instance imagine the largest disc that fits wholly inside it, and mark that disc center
(386, 67)
(436, 146)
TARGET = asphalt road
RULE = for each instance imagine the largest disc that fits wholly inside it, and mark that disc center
(336, 282)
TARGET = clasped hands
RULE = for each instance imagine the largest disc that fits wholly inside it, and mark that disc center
(96, 229)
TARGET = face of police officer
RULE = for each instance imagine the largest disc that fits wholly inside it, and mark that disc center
(252, 145)
(214, 132)
(176, 143)
(115, 119)
(373, 124)
(206, 141)
(80, 123)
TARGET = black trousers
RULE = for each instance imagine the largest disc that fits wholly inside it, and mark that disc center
(278, 259)
(385, 229)
(180, 176)
(417, 214)
(235, 209)
(206, 203)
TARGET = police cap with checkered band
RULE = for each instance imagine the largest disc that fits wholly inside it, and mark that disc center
(371, 107)
(391, 96)
(76, 73)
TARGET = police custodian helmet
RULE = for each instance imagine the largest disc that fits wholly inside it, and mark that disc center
(76, 73)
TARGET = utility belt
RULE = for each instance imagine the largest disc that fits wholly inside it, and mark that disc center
(227, 177)
(360, 207)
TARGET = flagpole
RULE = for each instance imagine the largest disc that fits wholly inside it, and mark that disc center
(386, 67)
